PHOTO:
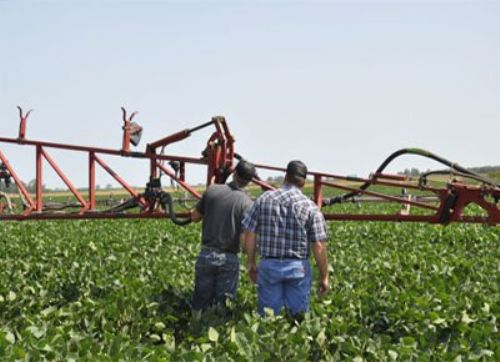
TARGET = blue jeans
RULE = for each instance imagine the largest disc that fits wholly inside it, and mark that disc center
(284, 283)
(216, 278)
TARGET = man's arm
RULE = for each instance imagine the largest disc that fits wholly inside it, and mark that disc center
(196, 215)
(197, 212)
(319, 251)
(246, 205)
(250, 246)
(243, 241)
(249, 226)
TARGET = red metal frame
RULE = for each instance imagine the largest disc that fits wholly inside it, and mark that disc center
(219, 156)
(466, 194)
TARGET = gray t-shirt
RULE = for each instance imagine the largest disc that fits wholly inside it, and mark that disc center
(223, 208)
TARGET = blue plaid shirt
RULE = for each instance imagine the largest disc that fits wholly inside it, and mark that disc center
(285, 221)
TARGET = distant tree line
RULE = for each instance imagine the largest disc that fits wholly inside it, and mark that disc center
(412, 172)
(483, 170)
(275, 179)
(31, 187)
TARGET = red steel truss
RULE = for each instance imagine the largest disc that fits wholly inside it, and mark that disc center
(447, 203)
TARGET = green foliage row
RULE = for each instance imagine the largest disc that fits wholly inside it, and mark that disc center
(120, 290)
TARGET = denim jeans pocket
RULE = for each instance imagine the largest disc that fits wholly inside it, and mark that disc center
(296, 269)
(212, 258)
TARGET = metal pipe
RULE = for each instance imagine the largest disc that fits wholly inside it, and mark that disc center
(103, 150)
(17, 181)
(176, 137)
(66, 180)
(92, 181)
(117, 177)
(182, 183)
(89, 215)
(39, 185)
(382, 196)
(201, 126)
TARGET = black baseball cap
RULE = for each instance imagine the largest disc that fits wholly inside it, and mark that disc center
(296, 168)
(245, 170)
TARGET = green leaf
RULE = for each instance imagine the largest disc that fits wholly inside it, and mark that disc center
(466, 319)
(321, 338)
(486, 308)
(11, 296)
(9, 337)
(213, 335)
(439, 321)
(409, 341)
(481, 354)
(269, 312)
(255, 327)
(160, 326)
(48, 311)
(36, 331)
(155, 337)
(232, 335)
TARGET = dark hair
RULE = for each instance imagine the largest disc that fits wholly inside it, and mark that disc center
(240, 181)
(244, 172)
(296, 173)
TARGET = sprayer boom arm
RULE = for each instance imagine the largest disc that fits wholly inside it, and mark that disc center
(443, 203)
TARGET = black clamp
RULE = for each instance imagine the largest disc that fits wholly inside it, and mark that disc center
(5, 175)
(154, 194)
(449, 207)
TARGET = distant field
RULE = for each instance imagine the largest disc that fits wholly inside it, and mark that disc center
(183, 201)
(119, 192)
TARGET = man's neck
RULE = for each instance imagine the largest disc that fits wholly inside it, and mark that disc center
(288, 185)
(234, 185)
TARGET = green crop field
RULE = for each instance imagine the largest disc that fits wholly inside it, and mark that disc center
(119, 290)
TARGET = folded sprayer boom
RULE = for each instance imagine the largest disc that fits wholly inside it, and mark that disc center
(464, 197)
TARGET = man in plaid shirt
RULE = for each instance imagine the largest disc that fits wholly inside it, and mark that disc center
(287, 225)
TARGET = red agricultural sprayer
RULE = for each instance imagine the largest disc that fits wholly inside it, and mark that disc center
(459, 195)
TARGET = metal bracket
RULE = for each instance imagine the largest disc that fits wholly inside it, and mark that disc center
(132, 131)
(23, 118)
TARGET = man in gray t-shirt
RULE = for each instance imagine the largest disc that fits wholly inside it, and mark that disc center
(222, 208)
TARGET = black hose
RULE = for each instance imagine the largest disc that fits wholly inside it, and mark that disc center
(165, 200)
(126, 205)
(167, 203)
(412, 151)
(423, 177)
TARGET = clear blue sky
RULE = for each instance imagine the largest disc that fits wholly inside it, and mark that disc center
(338, 84)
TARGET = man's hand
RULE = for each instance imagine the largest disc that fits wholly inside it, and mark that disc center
(323, 286)
(195, 215)
(319, 251)
(250, 243)
(253, 271)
